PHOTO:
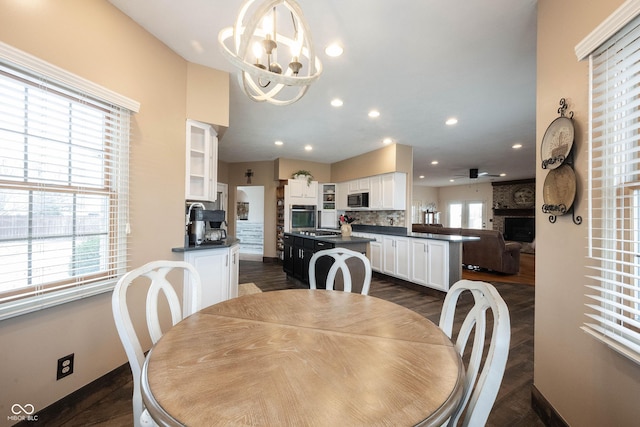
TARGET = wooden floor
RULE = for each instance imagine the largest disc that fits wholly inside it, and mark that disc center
(111, 405)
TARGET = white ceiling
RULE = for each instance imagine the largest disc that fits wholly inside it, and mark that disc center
(418, 62)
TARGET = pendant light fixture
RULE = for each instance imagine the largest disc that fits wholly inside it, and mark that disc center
(272, 29)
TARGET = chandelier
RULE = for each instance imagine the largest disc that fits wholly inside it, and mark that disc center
(271, 27)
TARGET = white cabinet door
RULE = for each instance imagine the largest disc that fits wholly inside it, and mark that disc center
(430, 263)
(303, 193)
(402, 258)
(439, 265)
(234, 271)
(375, 192)
(419, 261)
(329, 219)
(360, 185)
(342, 191)
(201, 162)
(213, 267)
(375, 255)
(396, 259)
(393, 189)
(389, 255)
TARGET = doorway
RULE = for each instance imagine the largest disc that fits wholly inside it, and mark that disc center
(250, 221)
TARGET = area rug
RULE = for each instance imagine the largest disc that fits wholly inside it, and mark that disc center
(248, 288)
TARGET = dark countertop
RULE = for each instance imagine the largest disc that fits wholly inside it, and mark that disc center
(446, 237)
(226, 243)
(402, 232)
(334, 239)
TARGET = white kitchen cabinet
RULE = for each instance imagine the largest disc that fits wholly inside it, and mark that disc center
(218, 269)
(430, 263)
(395, 256)
(301, 192)
(375, 253)
(342, 191)
(328, 217)
(201, 162)
(234, 270)
(360, 185)
(388, 191)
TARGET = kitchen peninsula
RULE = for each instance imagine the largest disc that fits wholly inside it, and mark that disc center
(218, 265)
(430, 260)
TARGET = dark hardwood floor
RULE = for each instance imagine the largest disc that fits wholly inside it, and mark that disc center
(110, 405)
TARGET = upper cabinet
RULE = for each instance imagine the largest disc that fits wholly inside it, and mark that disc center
(302, 192)
(202, 162)
(386, 192)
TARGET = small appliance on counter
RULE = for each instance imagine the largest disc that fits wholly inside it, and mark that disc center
(204, 226)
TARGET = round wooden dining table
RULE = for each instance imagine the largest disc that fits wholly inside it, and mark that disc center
(303, 358)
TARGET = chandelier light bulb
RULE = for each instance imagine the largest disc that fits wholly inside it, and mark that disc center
(256, 22)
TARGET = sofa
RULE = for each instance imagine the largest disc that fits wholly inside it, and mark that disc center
(491, 252)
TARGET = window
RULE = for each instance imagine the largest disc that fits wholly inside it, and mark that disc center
(63, 187)
(613, 312)
(466, 215)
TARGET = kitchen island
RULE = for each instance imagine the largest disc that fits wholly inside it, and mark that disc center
(299, 248)
(430, 260)
(218, 265)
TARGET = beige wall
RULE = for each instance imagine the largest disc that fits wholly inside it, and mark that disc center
(263, 174)
(94, 40)
(586, 382)
(208, 95)
(284, 168)
(393, 158)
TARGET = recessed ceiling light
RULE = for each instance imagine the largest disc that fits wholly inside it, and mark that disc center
(503, 174)
(387, 141)
(374, 113)
(452, 121)
(337, 102)
(308, 148)
(279, 143)
(435, 162)
(452, 180)
(421, 177)
(334, 50)
(516, 146)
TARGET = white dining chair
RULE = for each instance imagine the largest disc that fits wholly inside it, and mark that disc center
(156, 272)
(482, 380)
(340, 257)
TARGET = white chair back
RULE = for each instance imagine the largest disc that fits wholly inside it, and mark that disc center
(340, 256)
(482, 380)
(157, 272)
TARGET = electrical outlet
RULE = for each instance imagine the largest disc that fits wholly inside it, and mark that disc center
(65, 366)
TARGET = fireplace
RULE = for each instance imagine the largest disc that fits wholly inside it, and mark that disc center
(520, 229)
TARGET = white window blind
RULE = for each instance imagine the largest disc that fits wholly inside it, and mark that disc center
(613, 315)
(63, 188)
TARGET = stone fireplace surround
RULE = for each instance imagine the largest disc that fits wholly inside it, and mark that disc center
(506, 204)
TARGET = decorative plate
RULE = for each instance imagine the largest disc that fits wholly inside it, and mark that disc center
(557, 142)
(524, 197)
(559, 190)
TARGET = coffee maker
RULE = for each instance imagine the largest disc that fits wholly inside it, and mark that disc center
(204, 226)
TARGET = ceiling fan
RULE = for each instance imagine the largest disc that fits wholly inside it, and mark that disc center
(475, 174)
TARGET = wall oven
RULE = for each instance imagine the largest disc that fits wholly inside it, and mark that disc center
(303, 217)
(358, 200)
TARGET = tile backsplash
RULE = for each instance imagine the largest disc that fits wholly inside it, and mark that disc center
(385, 218)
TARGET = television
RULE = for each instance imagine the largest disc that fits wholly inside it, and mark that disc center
(520, 229)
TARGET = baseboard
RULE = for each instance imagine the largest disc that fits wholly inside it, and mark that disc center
(108, 382)
(422, 289)
(547, 413)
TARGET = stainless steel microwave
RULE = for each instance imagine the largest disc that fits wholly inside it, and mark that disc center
(358, 200)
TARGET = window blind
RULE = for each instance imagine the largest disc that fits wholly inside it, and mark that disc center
(613, 313)
(63, 188)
